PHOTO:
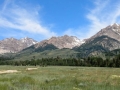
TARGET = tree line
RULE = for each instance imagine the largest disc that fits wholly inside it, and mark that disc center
(89, 61)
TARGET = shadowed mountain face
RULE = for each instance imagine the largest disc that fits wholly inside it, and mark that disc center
(105, 40)
(98, 45)
(12, 45)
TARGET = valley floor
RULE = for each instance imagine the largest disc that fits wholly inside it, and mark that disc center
(59, 78)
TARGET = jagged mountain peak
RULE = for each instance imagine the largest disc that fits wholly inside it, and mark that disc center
(25, 38)
(7, 39)
(62, 42)
(28, 40)
(107, 38)
(65, 36)
(112, 31)
(115, 25)
(65, 41)
(12, 38)
(14, 45)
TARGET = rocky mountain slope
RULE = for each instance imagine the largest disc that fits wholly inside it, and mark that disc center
(12, 45)
(61, 42)
(52, 44)
(112, 31)
(53, 47)
(97, 46)
(105, 40)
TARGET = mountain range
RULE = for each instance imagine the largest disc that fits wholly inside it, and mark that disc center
(12, 45)
(106, 40)
(61, 42)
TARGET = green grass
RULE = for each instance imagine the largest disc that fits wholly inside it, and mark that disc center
(60, 78)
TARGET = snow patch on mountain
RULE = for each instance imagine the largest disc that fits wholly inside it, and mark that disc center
(115, 24)
(28, 41)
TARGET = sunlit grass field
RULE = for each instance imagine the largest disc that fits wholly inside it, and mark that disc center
(60, 78)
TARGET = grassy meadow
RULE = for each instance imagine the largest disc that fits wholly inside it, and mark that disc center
(60, 78)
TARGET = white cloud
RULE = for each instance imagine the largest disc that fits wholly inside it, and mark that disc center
(15, 17)
(103, 14)
(20, 18)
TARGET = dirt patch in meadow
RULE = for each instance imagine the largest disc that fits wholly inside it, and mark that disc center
(31, 69)
(8, 71)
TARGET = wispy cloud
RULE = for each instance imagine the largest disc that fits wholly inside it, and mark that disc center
(6, 2)
(14, 16)
(104, 13)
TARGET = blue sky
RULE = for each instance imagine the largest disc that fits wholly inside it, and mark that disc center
(42, 19)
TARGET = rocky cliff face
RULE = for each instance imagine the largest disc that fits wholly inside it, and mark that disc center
(12, 45)
(62, 42)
